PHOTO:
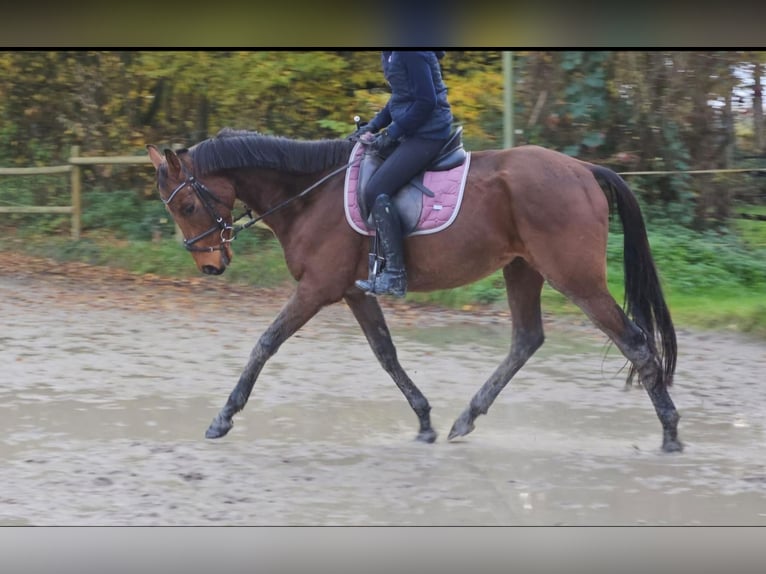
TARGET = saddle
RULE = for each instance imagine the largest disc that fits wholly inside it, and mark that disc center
(409, 199)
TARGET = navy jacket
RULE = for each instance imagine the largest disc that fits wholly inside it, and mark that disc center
(418, 104)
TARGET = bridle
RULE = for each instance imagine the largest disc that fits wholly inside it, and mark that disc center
(208, 199)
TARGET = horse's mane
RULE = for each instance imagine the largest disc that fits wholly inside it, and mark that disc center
(231, 148)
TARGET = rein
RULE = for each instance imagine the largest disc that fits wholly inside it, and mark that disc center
(205, 196)
(253, 220)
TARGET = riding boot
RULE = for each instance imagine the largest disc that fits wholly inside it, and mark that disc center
(393, 279)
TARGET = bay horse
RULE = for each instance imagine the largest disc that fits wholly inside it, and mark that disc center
(535, 213)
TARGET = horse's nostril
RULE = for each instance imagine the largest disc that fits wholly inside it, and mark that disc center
(211, 270)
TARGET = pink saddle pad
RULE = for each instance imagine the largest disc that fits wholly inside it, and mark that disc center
(438, 212)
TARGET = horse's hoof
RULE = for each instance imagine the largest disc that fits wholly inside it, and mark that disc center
(428, 436)
(462, 427)
(218, 428)
(672, 445)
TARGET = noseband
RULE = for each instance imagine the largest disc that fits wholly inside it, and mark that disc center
(207, 198)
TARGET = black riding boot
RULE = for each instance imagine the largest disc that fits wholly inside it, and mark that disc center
(393, 279)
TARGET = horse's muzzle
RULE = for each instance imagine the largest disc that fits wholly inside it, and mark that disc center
(218, 269)
(212, 270)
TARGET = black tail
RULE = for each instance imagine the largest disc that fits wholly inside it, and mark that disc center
(644, 301)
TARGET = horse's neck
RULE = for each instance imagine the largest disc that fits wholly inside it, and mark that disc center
(265, 190)
(260, 189)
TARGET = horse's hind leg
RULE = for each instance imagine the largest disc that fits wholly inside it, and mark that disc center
(523, 285)
(603, 310)
(370, 317)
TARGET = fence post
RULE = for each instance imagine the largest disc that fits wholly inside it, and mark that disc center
(76, 182)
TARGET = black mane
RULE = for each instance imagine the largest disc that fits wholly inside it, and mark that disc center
(231, 149)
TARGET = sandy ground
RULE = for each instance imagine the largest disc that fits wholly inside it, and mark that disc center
(110, 380)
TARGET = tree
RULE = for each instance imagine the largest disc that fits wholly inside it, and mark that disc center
(654, 110)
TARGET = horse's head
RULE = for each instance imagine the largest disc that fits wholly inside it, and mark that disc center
(203, 211)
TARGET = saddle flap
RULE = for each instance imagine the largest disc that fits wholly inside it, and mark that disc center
(368, 166)
(408, 200)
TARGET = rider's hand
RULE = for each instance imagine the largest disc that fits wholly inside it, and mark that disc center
(365, 129)
(383, 143)
(367, 138)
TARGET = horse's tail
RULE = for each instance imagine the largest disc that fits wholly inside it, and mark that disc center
(644, 301)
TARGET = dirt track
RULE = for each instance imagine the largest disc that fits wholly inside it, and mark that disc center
(109, 381)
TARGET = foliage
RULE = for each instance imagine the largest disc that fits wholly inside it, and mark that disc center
(693, 262)
(125, 215)
(753, 232)
(656, 110)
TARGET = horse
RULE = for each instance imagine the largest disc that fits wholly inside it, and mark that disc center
(537, 214)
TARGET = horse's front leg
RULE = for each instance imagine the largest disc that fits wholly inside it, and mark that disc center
(370, 317)
(292, 317)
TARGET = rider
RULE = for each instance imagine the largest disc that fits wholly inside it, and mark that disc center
(418, 122)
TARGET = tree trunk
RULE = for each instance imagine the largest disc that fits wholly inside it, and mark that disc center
(729, 133)
(758, 109)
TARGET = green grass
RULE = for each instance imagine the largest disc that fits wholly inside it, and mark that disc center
(258, 259)
(721, 309)
(753, 232)
(711, 280)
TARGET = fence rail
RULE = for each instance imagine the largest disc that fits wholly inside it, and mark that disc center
(73, 168)
(35, 170)
(76, 161)
(697, 171)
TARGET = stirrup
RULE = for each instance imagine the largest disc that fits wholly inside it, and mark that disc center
(366, 285)
(387, 283)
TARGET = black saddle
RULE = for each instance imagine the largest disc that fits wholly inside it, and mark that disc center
(452, 153)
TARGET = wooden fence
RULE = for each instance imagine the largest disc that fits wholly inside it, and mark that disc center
(73, 169)
(76, 161)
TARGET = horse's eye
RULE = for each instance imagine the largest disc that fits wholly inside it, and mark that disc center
(188, 209)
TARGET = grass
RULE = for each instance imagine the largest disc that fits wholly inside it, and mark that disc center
(721, 309)
(753, 232)
(711, 280)
(258, 258)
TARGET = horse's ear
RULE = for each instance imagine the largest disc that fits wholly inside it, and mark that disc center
(174, 164)
(155, 155)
